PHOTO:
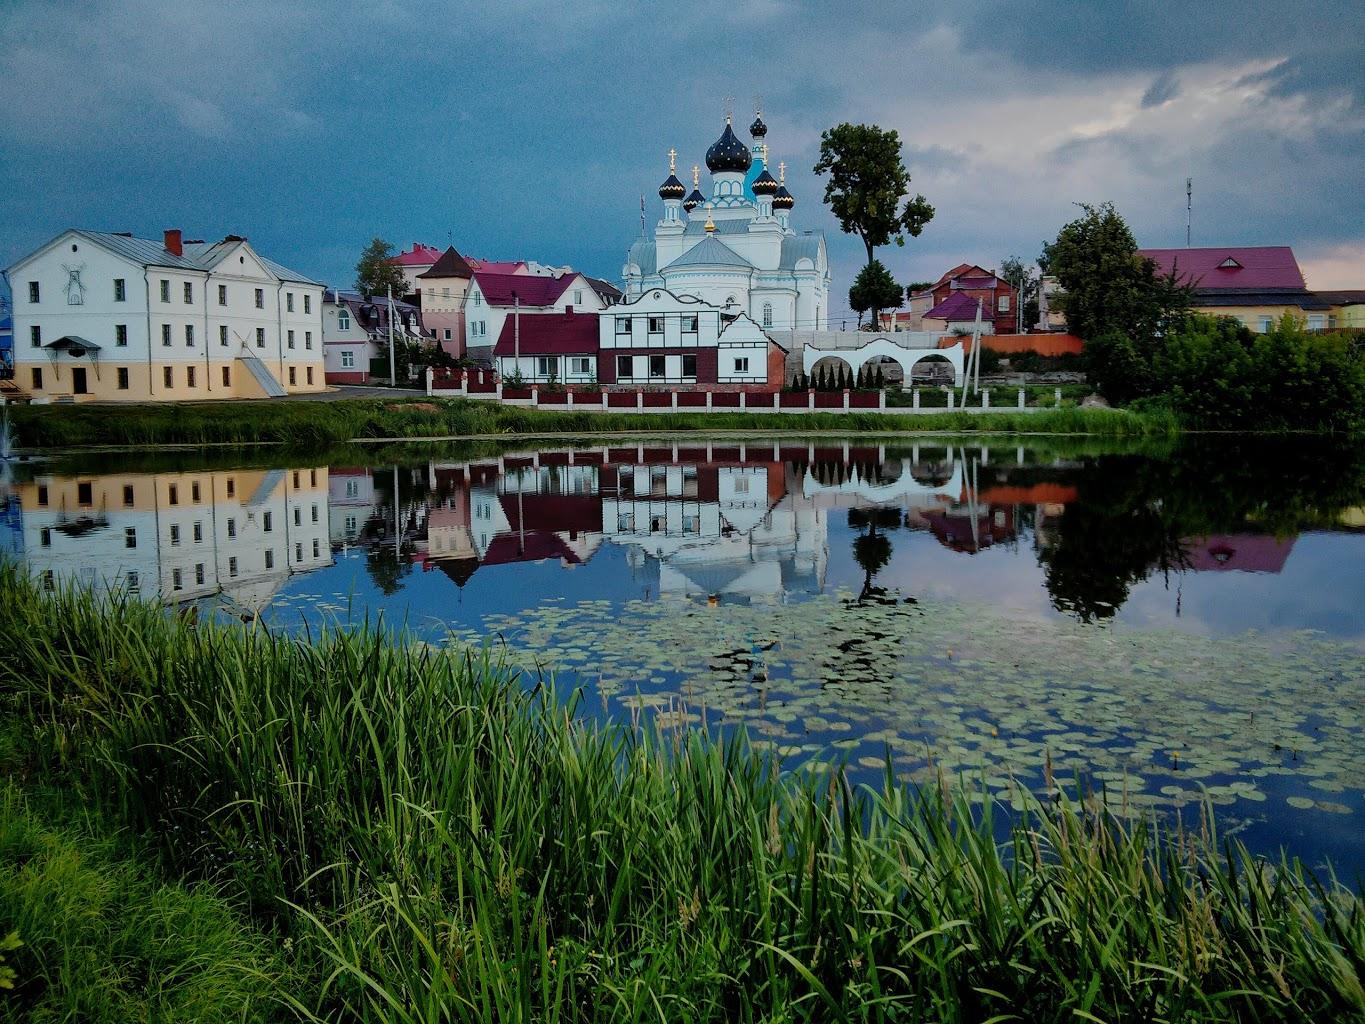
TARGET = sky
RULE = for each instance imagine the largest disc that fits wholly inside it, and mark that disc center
(522, 130)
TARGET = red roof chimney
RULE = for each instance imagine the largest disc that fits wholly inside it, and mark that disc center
(174, 245)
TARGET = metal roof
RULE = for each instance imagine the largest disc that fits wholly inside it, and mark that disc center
(644, 255)
(710, 252)
(795, 247)
(140, 250)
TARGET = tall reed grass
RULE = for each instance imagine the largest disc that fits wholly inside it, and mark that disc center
(447, 841)
(317, 423)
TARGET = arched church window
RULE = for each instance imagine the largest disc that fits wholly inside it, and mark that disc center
(729, 300)
(767, 314)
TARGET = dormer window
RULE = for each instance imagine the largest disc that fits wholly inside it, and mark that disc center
(1229, 264)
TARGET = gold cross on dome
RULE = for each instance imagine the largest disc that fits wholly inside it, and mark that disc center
(696, 175)
(782, 172)
(672, 160)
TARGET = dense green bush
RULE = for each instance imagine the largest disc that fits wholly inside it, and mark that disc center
(1217, 373)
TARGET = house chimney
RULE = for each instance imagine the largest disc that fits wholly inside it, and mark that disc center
(174, 246)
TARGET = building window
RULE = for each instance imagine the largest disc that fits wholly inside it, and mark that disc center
(165, 334)
(177, 580)
(269, 559)
(35, 336)
(689, 367)
(128, 495)
(260, 298)
(308, 340)
(199, 573)
(222, 334)
(689, 324)
(232, 565)
(623, 368)
(189, 335)
(134, 583)
(166, 377)
(45, 537)
(1265, 324)
(742, 365)
(189, 375)
(446, 334)
(165, 290)
(351, 525)
(298, 551)
(260, 337)
(222, 295)
(580, 364)
(1002, 304)
(347, 359)
(656, 366)
(343, 319)
(308, 374)
(289, 302)
(291, 377)
(767, 314)
(42, 494)
(175, 534)
(1316, 321)
(189, 293)
(267, 521)
(121, 335)
(623, 326)
(231, 486)
(227, 376)
(37, 379)
(231, 528)
(34, 292)
(198, 533)
(578, 296)
(307, 303)
(120, 289)
(546, 366)
(317, 550)
(478, 299)
(173, 495)
(656, 325)
(123, 378)
(315, 513)
(85, 494)
(289, 336)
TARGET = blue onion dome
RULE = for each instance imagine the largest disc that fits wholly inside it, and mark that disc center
(727, 153)
(693, 201)
(765, 184)
(783, 200)
(758, 129)
(672, 188)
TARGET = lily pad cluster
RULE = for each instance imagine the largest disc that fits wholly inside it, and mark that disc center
(1151, 719)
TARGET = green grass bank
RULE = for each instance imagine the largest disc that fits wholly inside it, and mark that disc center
(434, 840)
(314, 423)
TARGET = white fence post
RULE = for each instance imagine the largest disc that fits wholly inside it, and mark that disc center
(639, 400)
(674, 393)
(845, 399)
(777, 401)
(568, 399)
(604, 401)
(708, 409)
(535, 395)
(1057, 397)
(881, 399)
(950, 399)
(914, 398)
(1021, 398)
(985, 398)
(431, 376)
(743, 401)
(810, 399)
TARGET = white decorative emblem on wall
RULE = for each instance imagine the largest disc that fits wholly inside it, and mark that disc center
(75, 291)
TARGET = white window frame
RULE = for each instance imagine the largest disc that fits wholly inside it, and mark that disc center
(347, 359)
(741, 364)
(343, 319)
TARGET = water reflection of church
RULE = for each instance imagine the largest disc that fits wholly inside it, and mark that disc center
(235, 534)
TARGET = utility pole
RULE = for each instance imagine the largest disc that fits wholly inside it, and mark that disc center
(393, 373)
(1189, 208)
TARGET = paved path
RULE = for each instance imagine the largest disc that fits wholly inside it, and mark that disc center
(337, 392)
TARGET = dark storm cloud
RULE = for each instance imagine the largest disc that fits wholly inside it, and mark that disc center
(1166, 87)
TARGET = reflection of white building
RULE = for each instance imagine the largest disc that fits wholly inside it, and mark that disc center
(182, 536)
(350, 503)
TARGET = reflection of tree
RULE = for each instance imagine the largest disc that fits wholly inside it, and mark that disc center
(1135, 512)
(872, 550)
(386, 568)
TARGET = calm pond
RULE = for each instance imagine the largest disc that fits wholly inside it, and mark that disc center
(1163, 626)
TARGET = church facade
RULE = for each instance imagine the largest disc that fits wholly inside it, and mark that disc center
(737, 249)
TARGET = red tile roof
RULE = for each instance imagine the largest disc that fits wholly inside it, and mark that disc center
(418, 256)
(1257, 266)
(531, 289)
(495, 266)
(549, 334)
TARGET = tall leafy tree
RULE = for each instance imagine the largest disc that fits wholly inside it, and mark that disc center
(867, 185)
(374, 274)
(874, 289)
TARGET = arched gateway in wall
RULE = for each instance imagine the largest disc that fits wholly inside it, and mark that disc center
(881, 347)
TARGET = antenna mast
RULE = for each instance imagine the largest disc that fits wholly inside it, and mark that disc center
(1189, 208)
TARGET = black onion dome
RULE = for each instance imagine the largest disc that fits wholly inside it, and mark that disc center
(693, 201)
(672, 188)
(783, 199)
(765, 184)
(727, 153)
(758, 129)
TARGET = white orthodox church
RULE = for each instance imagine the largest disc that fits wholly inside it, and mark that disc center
(737, 249)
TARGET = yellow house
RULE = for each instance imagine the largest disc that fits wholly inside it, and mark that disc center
(1257, 285)
(110, 317)
(1348, 308)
